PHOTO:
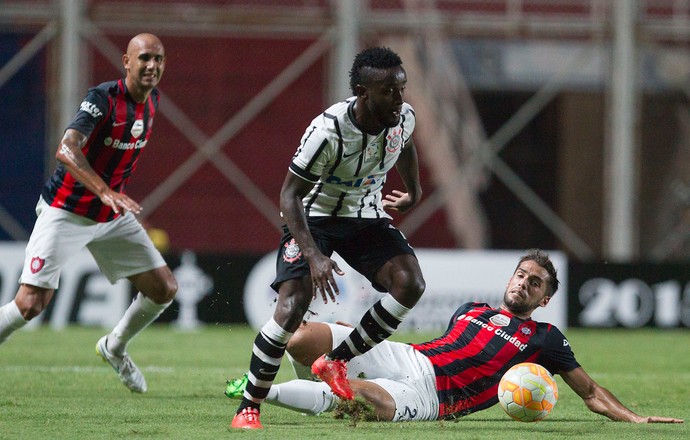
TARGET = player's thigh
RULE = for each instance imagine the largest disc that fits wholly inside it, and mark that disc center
(411, 403)
(310, 341)
(401, 272)
(290, 262)
(372, 248)
(57, 236)
(122, 248)
(387, 359)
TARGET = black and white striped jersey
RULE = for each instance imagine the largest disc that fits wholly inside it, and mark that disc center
(348, 166)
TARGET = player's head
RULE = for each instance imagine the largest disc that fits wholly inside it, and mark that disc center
(373, 58)
(378, 80)
(144, 62)
(532, 285)
(543, 260)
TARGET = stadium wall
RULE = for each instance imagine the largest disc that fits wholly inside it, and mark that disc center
(221, 289)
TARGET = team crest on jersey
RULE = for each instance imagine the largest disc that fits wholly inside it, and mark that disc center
(37, 264)
(292, 251)
(137, 128)
(394, 140)
(526, 331)
(500, 320)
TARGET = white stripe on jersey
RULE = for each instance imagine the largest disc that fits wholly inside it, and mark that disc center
(348, 166)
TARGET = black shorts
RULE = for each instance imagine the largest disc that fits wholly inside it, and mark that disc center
(365, 244)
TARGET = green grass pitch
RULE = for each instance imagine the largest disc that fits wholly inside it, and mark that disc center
(53, 386)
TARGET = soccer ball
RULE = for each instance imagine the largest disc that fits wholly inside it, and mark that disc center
(527, 392)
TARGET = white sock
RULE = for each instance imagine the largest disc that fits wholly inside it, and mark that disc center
(393, 307)
(137, 317)
(274, 331)
(304, 396)
(11, 319)
(301, 371)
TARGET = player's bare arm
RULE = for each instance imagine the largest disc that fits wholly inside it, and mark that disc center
(321, 267)
(408, 168)
(601, 401)
(69, 153)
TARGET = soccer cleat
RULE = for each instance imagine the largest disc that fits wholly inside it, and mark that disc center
(334, 373)
(248, 418)
(235, 388)
(130, 374)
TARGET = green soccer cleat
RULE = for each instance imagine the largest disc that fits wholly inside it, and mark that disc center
(235, 387)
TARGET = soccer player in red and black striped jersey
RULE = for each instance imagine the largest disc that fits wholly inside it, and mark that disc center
(83, 204)
(457, 373)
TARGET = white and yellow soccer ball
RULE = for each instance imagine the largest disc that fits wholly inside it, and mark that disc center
(527, 392)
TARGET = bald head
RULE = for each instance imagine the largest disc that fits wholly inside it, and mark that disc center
(144, 63)
(143, 40)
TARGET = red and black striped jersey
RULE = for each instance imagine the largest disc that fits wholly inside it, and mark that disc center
(479, 346)
(118, 129)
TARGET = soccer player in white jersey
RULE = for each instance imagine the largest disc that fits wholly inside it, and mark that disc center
(332, 201)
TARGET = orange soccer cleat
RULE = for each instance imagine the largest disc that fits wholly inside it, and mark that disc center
(248, 418)
(334, 373)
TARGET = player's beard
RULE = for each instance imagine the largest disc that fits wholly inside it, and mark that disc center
(517, 307)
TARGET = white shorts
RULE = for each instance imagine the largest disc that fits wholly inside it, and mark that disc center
(402, 371)
(121, 247)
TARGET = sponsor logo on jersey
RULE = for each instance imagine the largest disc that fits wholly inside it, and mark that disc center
(91, 109)
(499, 320)
(37, 264)
(497, 331)
(362, 181)
(371, 154)
(141, 143)
(566, 343)
(137, 128)
(292, 251)
(394, 140)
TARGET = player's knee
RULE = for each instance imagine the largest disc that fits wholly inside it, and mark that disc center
(168, 290)
(291, 307)
(164, 291)
(29, 307)
(309, 342)
(297, 344)
(31, 300)
(410, 285)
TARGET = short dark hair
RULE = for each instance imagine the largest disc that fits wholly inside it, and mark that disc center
(374, 57)
(542, 259)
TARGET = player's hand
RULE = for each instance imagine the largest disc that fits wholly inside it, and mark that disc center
(119, 202)
(398, 201)
(322, 279)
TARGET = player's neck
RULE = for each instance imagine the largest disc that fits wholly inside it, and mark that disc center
(137, 94)
(524, 316)
(363, 120)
